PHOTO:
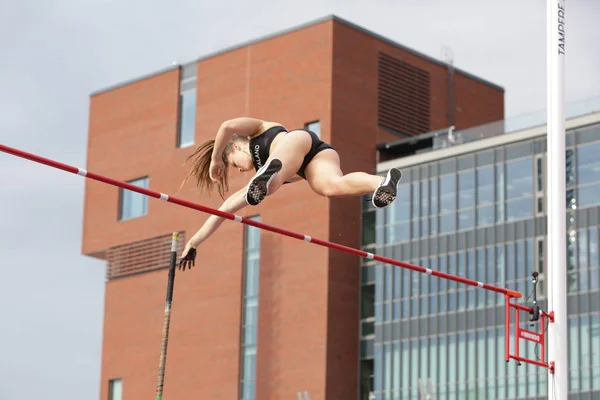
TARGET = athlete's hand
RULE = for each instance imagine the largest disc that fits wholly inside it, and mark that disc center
(216, 169)
(188, 257)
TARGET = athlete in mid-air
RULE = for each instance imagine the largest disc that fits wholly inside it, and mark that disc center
(279, 156)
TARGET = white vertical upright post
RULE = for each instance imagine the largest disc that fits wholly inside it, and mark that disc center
(558, 383)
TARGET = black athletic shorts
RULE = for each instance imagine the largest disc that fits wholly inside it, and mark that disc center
(317, 146)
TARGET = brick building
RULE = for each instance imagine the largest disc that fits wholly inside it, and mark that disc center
(259, 312)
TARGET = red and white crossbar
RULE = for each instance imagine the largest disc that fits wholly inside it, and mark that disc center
(237, 218)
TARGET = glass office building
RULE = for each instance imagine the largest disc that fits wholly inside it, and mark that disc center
(478, 210)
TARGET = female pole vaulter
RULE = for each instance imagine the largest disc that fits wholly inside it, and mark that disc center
(278, 156)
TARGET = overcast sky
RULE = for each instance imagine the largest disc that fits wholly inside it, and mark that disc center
(56, 52)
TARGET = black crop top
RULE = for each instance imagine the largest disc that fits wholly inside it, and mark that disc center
(261, 144)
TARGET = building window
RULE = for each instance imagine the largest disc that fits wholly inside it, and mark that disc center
(447, 203)
(485, 195)
(466, 199)
(250, 311)
(587, 167)
(519, 189)
(539, 192)
(115, 389)
(133, 204)
(187, 119)
(187, 106)
(314, 126)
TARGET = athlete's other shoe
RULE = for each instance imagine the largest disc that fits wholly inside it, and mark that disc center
(385, 194)
(258, 188)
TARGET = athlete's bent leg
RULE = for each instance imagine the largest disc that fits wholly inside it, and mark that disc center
(283, 164)
(326, 178)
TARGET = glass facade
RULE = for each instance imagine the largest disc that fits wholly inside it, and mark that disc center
(479, 215)
(250, 311)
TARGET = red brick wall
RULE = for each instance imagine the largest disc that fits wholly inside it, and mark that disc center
(132, 133)
(136, 126)
(476, 103)
(355, 82)
(286, 79)
(291, 83)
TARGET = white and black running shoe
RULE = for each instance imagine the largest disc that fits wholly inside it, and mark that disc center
(258, 187)
(385, 194)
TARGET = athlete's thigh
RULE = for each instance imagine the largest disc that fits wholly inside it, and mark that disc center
(291, 149)
(322, 169)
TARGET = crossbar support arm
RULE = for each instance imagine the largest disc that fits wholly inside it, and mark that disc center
(525, 334)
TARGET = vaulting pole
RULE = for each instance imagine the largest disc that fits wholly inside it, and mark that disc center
(162, 362)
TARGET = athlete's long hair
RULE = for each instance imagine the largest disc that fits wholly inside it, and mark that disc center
(199, 170)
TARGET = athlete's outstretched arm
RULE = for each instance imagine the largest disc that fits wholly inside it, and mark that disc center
(234, 203)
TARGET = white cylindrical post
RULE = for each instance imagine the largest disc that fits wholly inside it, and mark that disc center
(558, 383)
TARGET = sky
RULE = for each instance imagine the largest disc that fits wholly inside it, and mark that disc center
(55, 53)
